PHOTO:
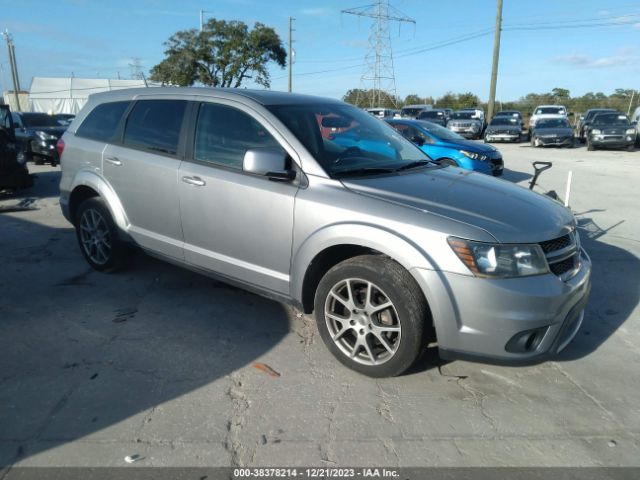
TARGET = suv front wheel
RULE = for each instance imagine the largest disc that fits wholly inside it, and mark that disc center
(371, 315)
(98, 236)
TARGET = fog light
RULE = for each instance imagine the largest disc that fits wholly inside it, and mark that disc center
(527, 341)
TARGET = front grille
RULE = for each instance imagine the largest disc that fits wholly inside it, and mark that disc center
(563, 255)
(564, 266)
(556, 244)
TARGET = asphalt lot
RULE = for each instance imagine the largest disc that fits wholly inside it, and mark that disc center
(158, 361)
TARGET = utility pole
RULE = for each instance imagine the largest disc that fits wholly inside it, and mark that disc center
(494, 68)
(290, 62)
(14, 68)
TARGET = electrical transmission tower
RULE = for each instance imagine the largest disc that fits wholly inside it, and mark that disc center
(378, 70)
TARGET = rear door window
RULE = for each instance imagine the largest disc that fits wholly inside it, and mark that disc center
(102, 122)
(154, 125)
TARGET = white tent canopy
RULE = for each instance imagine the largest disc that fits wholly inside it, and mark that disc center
(68, 95)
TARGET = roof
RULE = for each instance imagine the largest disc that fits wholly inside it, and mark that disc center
(263, 97)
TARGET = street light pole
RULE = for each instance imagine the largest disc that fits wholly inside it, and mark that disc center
(494, 68)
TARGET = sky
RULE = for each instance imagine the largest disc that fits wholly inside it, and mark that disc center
(580, 45)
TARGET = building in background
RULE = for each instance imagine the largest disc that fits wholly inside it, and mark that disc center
(68, 95)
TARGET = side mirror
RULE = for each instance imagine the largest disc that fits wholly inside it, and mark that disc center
(268, 162)
(417, 140)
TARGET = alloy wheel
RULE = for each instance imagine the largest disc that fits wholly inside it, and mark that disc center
(95, 237)
(362, 321)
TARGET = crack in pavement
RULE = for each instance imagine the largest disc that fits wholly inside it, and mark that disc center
(238, 420)
(477, 396)
(327, 453)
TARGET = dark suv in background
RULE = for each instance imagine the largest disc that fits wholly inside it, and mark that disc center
(37, 135)
(13, 171)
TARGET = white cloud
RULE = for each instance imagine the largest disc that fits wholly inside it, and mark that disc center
(580, 60)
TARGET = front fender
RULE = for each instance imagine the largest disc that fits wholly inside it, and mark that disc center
(94, 181)
(401, 249)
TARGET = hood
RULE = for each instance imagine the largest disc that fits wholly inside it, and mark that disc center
(55, 131)
(510, 213)
(468, 145)
(465, 120)
(562, 131)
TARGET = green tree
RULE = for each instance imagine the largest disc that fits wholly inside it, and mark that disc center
(223, 54)
(369, 98)
(415, 99)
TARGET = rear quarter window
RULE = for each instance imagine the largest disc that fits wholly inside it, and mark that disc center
(102, 122)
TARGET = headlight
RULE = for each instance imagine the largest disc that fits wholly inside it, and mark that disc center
(473, 156)
(631, 131)
(595, 131)
(44, 135)
(500, 260)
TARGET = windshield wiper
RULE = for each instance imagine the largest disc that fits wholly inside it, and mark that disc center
(416, 164)
(362, 171)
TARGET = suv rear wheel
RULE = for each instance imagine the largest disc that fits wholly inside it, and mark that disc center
(371, 315)
(98, 236)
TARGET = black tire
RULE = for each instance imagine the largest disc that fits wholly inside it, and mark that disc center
(631, 148)
(117, 255)
(408, 313)
(37, 159)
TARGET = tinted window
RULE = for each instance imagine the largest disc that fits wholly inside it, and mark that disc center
(224, 134)
(102, 121)
(155, 125)
(39, 120)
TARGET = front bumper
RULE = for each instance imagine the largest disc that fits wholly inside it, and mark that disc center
(486, 319)
(612, 141)
(555, 141)
(466, 132)
(502, 137)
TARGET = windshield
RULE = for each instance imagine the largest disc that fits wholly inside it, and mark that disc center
(439, 132)
(550, 111)
(347, 140)
(39, 120)
(504, 121)
(411, 112)
(463, 115)
(611, 119)
(593, 113)
(553, 123)
(431, 114)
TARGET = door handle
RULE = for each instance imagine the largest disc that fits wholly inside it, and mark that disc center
(113, 161)
(195, 181)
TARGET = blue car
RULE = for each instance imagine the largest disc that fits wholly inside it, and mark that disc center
(448, 147)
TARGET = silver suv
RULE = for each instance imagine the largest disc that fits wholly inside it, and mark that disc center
(314, 202)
